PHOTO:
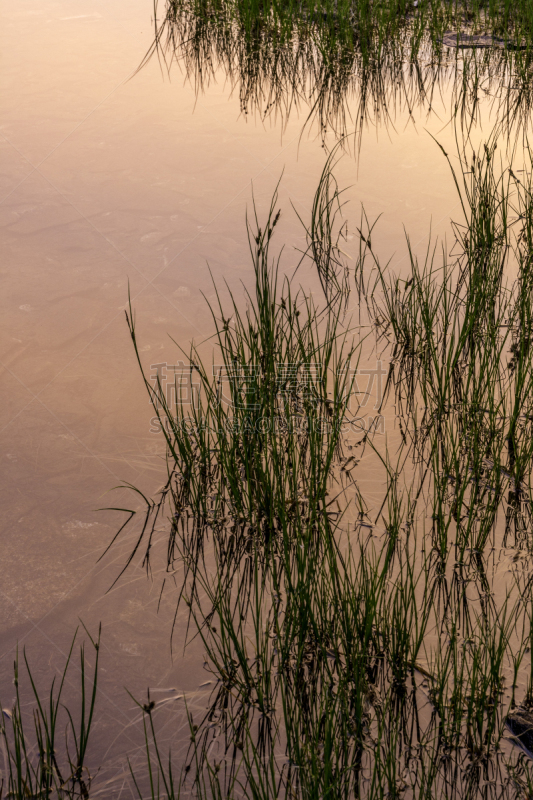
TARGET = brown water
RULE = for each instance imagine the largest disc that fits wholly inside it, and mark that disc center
(110, 180)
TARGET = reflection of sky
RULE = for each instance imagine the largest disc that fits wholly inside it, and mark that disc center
(105, 181)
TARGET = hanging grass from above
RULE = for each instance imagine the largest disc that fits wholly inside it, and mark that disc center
(352, 63)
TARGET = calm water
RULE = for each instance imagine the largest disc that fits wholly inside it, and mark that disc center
(110, 180)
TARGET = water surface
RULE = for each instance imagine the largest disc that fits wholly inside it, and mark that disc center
(112, 182)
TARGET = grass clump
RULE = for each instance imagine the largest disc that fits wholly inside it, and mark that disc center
(359, 655)
(250, 462)
(353, 61)
(37, 763)
(357, 651)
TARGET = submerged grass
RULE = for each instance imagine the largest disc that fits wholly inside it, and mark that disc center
(46, 757)
(356, 653)
(250, 464)
(359, 657)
